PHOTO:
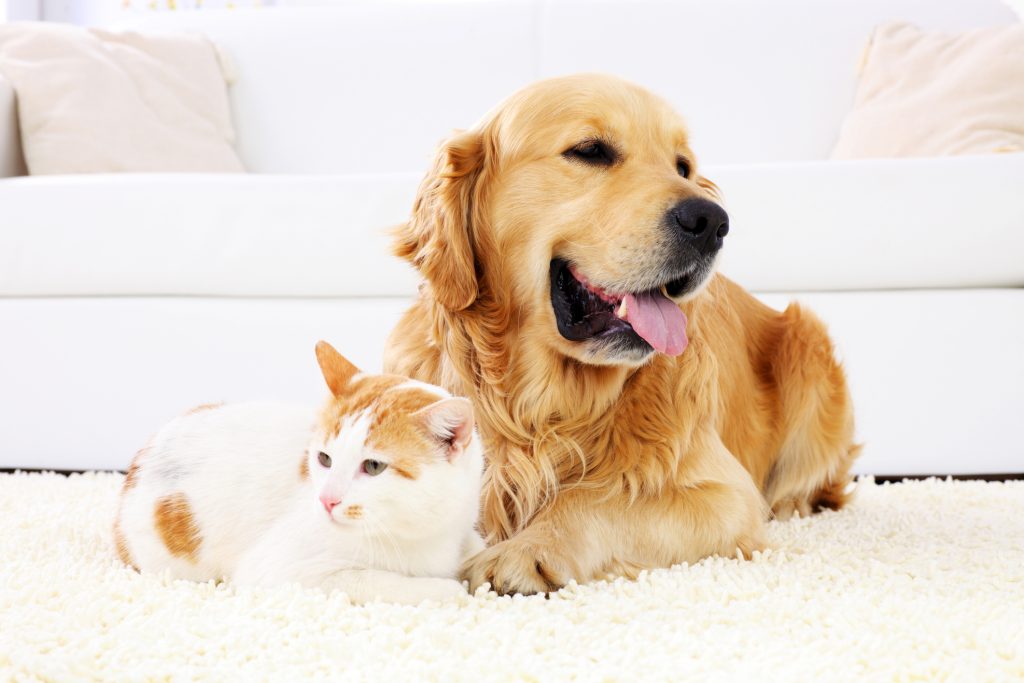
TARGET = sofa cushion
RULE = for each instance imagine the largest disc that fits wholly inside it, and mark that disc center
(873, 224)
(928, 93)
(935, 375)
(12, 163)
(92, 101)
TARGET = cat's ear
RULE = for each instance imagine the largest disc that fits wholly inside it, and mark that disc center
(451, 422)
(338, 372)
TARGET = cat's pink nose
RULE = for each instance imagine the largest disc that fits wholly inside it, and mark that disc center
(329, 503)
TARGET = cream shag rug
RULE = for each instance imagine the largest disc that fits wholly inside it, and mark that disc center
(921, 580)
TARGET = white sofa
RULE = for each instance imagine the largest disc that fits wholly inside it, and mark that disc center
(126, 299)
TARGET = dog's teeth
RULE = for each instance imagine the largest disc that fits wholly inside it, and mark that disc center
(664, 290)
(621, 312)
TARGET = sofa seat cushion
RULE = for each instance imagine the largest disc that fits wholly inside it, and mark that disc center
(925, 403)
(871, 224)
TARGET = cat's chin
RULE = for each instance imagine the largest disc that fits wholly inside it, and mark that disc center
(343, 523)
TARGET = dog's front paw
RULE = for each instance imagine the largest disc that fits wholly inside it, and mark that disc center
(518, 566)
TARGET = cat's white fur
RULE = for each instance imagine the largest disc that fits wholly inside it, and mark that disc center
(258, 517)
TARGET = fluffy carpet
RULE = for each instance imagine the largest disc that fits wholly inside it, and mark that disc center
(920, 580)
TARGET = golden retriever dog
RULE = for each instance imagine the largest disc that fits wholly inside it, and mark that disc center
(637, 409)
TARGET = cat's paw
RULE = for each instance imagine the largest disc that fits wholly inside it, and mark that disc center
(472, 545)
(518, 566)
(438, 590)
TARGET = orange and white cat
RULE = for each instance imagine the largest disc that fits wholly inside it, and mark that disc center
(379, 497)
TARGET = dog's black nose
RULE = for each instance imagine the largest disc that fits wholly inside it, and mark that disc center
(702, 223)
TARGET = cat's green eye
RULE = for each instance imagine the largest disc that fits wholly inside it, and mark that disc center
(374, 467)
(324, 459)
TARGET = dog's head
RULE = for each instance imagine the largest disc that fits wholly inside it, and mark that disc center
(577, 203)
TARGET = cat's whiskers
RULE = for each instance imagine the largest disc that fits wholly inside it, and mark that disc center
(367, 546)
(377, 535)
(385, 534)
(376, 542)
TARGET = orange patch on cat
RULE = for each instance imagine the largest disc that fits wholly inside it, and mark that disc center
(400, 434)
(122, 546)
(176, 526)
(363, 392)
(403, 469)
(131, 477)
(401, 403)
(304, 468)
(354, 512)
(204, 406)
(393, 428)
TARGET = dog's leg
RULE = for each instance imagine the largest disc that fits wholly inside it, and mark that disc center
(587, 534)
(812, 469)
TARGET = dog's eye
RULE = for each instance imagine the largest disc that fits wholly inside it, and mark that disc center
(592, 152)
(683, 166)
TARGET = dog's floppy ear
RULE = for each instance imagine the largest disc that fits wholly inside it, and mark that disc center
(438, 239)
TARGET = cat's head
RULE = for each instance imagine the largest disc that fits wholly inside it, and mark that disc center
(393, 456)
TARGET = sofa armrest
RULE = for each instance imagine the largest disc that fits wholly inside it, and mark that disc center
(12, 163)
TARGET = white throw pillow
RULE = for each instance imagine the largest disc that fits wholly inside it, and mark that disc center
(1017, 6)
(926, 93)
(93, 101)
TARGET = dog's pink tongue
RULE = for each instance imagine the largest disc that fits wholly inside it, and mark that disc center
(658, 320)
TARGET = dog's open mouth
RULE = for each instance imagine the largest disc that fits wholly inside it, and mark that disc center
(584, 311)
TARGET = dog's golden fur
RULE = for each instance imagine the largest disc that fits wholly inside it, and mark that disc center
(601, 465)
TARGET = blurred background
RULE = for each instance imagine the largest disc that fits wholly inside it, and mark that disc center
(193, 193)
(97, 12)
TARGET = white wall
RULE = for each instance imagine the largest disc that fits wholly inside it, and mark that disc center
(102, 12)
(85, 12)
(19, 10)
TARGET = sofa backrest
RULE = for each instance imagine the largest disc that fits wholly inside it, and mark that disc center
(363, 87)
(757, 81)
(373, 85)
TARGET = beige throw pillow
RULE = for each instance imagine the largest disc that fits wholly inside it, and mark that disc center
(924, 93)
(92, 101)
